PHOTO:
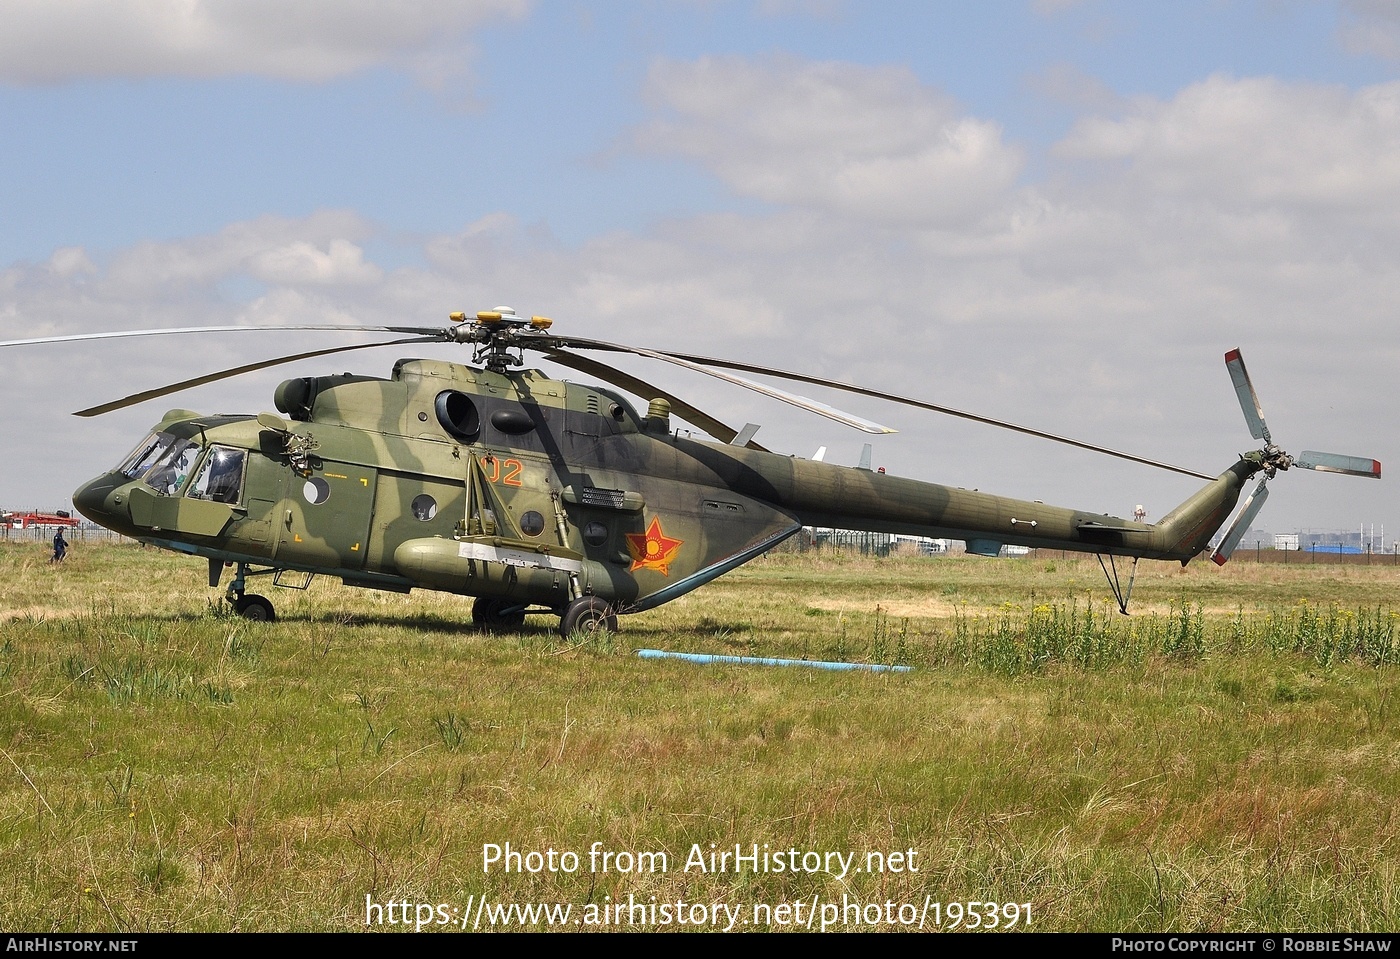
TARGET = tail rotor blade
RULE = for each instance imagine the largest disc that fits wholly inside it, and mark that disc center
(1337, 463)
(1249, 400)
(1241, 524)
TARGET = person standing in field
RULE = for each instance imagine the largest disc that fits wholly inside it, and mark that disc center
(60, 547)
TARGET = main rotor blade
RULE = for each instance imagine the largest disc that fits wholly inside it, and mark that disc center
(1337, 463)
(802, 402)
(145, 395)
(118, 334)
(639, 387)
(1241, 523)
(920, 404)
(1249, 400)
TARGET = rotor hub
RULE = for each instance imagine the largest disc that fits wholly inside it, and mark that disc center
(1274, 460)
(497, 335)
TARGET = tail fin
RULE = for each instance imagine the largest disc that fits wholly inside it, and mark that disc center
(1186, 530)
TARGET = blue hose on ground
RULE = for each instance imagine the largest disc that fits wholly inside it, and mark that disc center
(763, 661)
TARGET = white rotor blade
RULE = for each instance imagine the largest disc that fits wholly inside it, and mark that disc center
(1337, 463)
(802, 402)
(173, 331)
(1249, 400)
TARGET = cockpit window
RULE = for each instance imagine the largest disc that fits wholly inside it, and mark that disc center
(147, 452)
(162, 460)
(220, 478)
(173, 468)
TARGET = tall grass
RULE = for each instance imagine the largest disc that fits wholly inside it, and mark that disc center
(1011, 641)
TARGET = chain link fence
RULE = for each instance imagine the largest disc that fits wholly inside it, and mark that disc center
(86, 533)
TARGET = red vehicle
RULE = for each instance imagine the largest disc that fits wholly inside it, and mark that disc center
(36, 520)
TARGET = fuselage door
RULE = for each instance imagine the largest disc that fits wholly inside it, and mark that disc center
(326, 516)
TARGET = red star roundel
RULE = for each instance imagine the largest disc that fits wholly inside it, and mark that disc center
(653, 549)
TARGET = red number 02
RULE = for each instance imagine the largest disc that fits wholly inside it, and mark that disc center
(513, 470)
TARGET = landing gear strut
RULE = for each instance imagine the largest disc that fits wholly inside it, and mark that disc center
(1110, 571)
(250, 606)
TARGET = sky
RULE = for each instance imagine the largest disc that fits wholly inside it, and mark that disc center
(1053, 212)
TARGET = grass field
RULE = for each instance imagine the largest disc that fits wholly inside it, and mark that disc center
(1224, 759)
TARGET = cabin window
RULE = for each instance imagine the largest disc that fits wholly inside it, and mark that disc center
(424, 507)
(220, 478)
(531, 523)
(595, 534)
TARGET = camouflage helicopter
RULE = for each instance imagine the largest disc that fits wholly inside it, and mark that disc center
(492, 480)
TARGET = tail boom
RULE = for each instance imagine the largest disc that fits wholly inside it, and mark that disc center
(824, 495)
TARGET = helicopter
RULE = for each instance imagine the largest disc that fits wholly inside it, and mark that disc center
(536, 495)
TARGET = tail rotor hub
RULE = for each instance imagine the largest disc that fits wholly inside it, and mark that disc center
(1274, 460)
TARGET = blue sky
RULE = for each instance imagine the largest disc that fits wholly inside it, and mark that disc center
(1055, 212)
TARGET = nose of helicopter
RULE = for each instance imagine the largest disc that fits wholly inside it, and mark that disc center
(100, 501)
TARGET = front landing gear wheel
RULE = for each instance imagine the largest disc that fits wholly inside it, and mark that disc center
(494, 612)
(587, 615)
(256, 608)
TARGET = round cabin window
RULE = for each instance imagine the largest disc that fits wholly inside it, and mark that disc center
(531, 523)
(424, 507)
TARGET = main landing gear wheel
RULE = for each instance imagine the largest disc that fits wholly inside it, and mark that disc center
(493, 612)
(587, 615)
(255, 608)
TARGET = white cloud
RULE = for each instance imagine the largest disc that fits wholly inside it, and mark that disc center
(1258, 142)
(70, 261)
(302, 263)
(312, 250)
(175, 283)
(45, 41)
(868, 143)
